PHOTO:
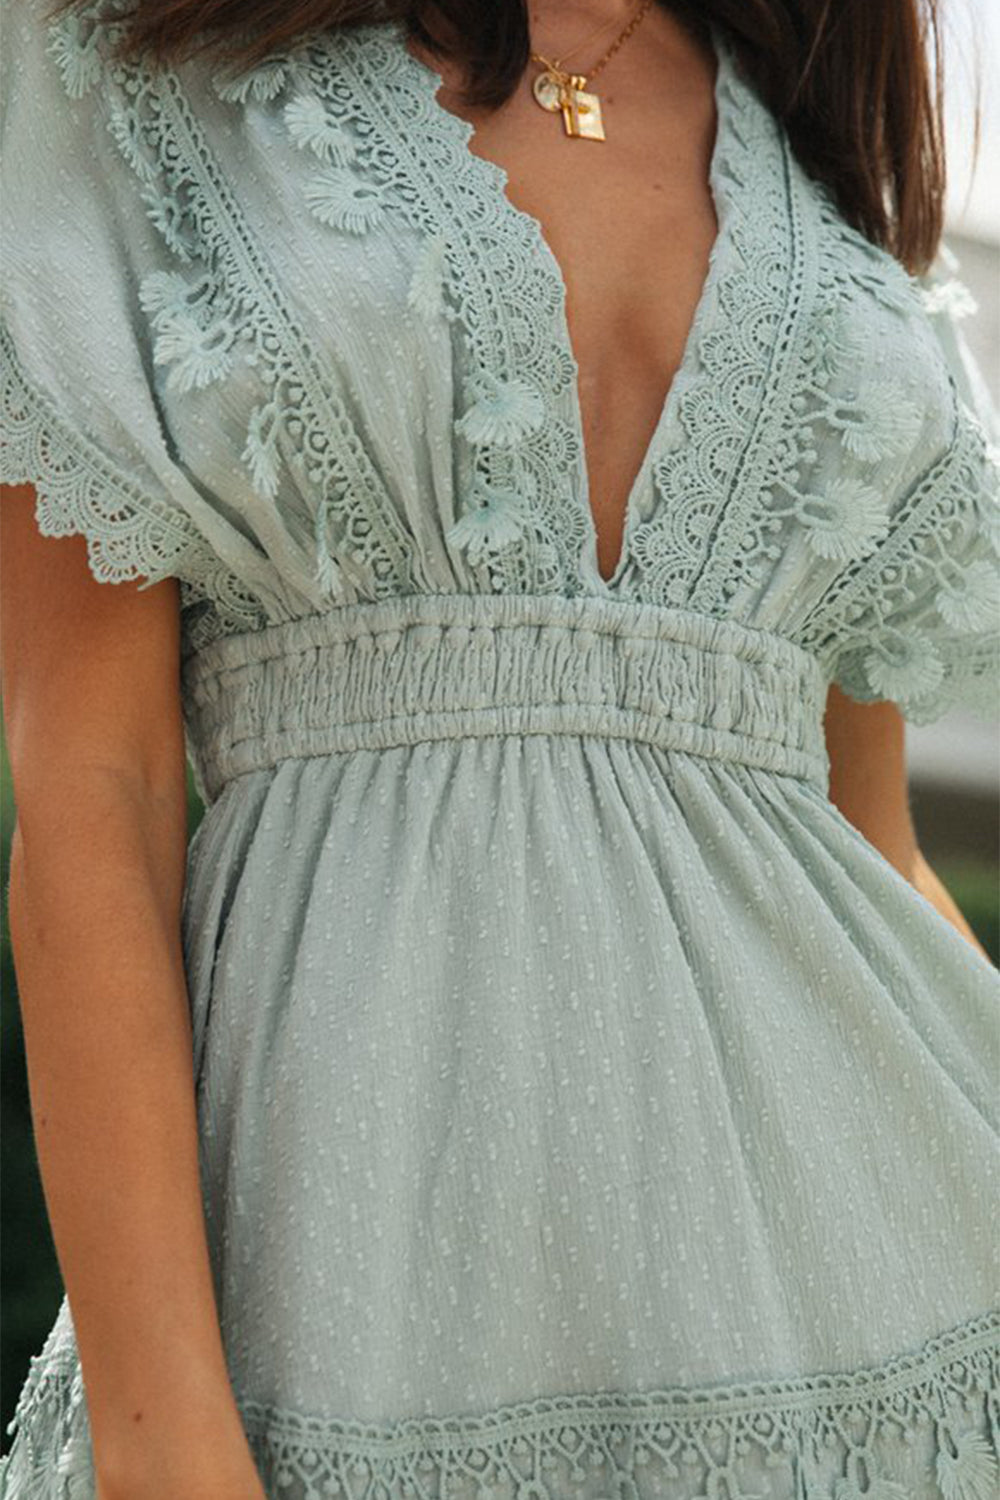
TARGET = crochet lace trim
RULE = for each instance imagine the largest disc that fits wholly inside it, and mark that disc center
(919, 623)
(863, 1435)
(129, 535)
(222, 303)
(911, 608)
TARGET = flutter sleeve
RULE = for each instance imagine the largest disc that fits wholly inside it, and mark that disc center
(81, 415)
(927, 634)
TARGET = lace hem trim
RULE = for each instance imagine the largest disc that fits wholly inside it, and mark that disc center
(924, 615)
(931, 1418)
(129, 535)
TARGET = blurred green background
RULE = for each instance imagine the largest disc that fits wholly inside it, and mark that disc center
(30, 1285)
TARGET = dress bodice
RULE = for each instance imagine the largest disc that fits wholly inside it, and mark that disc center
(333, 368)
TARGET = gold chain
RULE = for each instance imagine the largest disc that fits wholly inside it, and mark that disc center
(618, 42)
(623, 38)
(567, 93)
(608, 25)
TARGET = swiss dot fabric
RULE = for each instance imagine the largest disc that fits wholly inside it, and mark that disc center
(587, 1110)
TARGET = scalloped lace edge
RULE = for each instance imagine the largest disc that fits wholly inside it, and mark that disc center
(964, 486)
(702, 1436)
(129, 535)
(41, 447)
(970, 684)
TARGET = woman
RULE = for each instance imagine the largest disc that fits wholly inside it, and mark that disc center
(550, 501)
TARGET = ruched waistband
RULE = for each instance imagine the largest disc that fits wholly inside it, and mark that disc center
(449, 666)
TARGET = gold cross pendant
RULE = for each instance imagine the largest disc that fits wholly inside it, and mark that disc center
(581, 111)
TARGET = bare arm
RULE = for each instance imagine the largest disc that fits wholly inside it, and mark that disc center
(868, 783)
(95, 733)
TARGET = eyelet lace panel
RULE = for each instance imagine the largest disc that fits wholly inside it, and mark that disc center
(924, 1426)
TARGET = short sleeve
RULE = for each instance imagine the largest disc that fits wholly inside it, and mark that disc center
(80, 418)
(926, 633)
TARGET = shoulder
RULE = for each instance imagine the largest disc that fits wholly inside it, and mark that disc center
(63, 54)
(93, 224)
(62, 107)
(892, 335)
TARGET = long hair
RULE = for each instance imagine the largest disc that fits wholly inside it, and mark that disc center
(857, 84)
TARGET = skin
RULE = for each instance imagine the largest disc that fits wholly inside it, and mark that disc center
(624, 218)
(92, 712)
(92, 716)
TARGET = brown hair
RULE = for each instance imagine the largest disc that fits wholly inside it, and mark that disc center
(857, 85)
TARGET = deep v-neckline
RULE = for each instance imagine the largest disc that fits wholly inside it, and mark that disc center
(523, 223)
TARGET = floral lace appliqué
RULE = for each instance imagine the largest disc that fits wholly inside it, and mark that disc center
(518, 451)
(229, 308)
(851, 1436)
(920, 622)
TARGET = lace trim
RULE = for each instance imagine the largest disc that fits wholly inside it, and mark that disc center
(748, 429)
(354, 520)
(792, 296)
(920, 624)
(227, 300)
(755, 400)
(504, 253)
(516, 444)
(931, 1417)
(721, 395)
(129, 534)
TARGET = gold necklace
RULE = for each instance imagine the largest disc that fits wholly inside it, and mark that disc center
(556, 90)
(585, 41)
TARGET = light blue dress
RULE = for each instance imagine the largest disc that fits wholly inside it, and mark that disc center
(587, 1108)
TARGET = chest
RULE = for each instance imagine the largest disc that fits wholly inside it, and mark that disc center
(625, 217)
(630, 222)
(436, 348)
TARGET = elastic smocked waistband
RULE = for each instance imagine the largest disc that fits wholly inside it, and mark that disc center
(450, 666)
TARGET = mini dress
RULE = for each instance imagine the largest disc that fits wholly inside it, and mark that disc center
(587, 1110)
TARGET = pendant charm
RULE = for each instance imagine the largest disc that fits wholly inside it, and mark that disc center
(546, 90)
(581, 111)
